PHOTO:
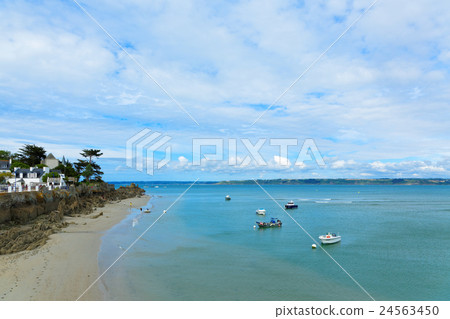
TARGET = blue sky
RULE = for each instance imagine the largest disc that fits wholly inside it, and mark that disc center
(376, 104)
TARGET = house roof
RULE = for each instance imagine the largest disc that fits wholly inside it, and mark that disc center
(25, 171)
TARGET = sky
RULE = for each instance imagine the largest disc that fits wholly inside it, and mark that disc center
(375, 104)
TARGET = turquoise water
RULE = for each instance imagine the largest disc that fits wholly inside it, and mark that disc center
(395, 243)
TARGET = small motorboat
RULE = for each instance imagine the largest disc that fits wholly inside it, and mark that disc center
(290, 205)
(273, 223)
(261, 212)
(147, 211)
(330, 238)
(227, 197)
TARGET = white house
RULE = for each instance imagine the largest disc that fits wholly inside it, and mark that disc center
(4, 166)
(31, 179)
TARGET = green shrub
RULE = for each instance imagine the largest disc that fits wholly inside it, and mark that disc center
(51, 175)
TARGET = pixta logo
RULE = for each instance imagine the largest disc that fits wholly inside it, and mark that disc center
(141, 148)
(253, 151)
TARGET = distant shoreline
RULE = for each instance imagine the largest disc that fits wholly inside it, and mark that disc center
(311, 181)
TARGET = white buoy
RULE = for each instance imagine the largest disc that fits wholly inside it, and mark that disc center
(254, 226)
(313, 246)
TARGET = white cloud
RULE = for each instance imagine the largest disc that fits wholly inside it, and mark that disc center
(432, 169)
(366, 174)
(282, 161)
(183, 161)
(378, 166)
(342, 164)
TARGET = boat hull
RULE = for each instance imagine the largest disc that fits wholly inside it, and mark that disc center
(290, 206)
(268, 225)
(331, 240)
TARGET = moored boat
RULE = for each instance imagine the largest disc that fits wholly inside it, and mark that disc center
(228, 197)
(330, 238)
(290, 205)
(272, 223)
(260, 211)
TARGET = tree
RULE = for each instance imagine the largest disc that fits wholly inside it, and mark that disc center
(5, 155)
(5, 176)
(31, 154)
(82, 165)
(68, 170)
(90, 153)
(88, 172)
(19, 165)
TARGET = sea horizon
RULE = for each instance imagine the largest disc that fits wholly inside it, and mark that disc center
(301, 181)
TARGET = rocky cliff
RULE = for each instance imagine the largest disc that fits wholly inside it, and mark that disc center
(28, 218)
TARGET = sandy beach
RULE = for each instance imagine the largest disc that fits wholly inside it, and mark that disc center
(64, 267)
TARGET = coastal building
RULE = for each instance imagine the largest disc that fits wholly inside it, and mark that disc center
(31, 179)
(5, 166)
(51, 161)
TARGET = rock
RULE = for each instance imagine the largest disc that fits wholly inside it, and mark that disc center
(27, 219)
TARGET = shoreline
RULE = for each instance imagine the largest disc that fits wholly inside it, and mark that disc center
(67, 264)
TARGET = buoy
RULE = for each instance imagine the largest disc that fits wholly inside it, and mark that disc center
(165, 211)
(254, 226)
(313, 246)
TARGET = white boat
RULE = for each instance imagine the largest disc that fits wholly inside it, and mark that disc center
(330, 238)
(260, 211)
(228, 197)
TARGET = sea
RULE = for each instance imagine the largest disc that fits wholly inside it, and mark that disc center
(395, 244)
